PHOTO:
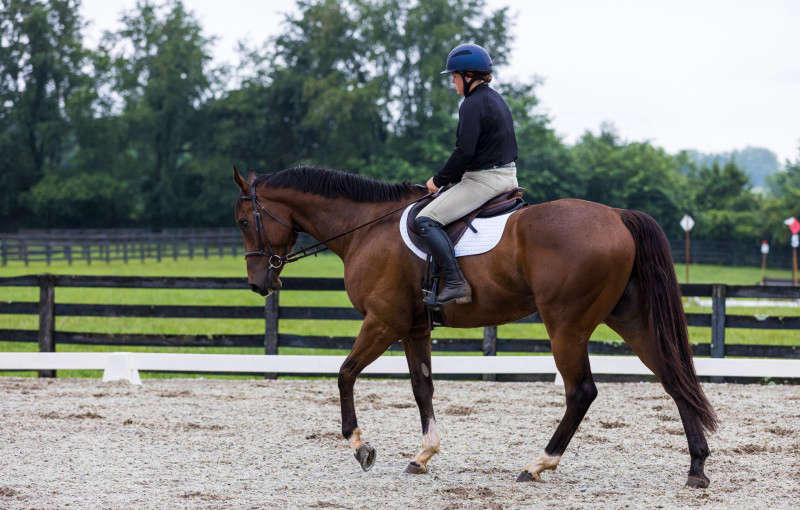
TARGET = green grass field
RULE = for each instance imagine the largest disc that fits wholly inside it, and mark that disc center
(321, 266)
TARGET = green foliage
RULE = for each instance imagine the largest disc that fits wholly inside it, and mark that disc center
(723, 204)
(783, 203)
(78, 197)
(633, 175)
(142, 130)
(159, 63)
(41, 73)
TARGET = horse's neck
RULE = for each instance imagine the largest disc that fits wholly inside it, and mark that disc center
(324, 218)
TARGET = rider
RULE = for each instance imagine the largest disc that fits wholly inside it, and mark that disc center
(482, 165)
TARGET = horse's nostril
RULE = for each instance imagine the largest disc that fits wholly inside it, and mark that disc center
(254, 287)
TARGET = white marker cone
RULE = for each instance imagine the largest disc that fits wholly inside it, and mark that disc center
(120, 367)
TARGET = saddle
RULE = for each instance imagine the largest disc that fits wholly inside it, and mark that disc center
(501, 204)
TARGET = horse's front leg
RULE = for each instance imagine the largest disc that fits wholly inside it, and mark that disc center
(373, 339)
(418, 355)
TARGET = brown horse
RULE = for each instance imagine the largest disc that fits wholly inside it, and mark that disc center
(577, 263)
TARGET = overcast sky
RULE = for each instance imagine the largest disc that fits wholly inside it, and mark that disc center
(713, 75)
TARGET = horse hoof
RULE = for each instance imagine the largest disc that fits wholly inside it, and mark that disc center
(526, 476)
(365, 455)
(415, 468)
(697, 482)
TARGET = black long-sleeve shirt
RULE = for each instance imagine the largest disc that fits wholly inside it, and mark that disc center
(485, 136)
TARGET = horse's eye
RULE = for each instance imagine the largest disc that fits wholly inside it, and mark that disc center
(243, 224)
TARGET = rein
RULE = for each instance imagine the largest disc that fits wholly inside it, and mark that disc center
(276, 261)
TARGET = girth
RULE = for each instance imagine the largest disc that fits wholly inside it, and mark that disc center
(501, 204)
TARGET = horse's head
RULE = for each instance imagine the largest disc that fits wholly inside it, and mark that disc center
(267, 232)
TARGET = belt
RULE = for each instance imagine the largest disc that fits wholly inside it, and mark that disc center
(493, 167)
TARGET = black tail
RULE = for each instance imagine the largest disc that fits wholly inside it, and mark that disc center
(655, 271)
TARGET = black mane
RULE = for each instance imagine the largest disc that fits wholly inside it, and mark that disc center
(334, 184)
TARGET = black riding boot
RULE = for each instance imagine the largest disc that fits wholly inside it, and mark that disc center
(452, 284)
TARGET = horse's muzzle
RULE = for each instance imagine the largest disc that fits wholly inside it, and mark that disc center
(271, 283)
(260, 290)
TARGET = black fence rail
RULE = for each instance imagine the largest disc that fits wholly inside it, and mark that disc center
(125, 245)
(47, 310)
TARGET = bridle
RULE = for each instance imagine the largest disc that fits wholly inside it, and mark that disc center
(276, 261)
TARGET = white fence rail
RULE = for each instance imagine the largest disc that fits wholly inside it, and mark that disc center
(126, 366)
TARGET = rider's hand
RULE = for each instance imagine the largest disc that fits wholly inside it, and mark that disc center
(432, 188)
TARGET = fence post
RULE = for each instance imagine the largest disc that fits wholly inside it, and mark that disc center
(271, 308)
(68, 253)
(490, 347)
(47, 319)
(3, 253)
(718, 295)
(48, 255)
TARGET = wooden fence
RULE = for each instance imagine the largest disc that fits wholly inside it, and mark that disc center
(125, 246)
(105, 246)
(47, 309)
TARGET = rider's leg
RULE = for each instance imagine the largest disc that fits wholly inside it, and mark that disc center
(452, 284)
(474, 189)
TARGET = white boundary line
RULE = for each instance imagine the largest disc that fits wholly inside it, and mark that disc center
(126, 366)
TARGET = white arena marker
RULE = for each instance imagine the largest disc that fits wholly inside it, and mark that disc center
(120, 368)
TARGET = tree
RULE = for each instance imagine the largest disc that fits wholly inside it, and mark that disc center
(423, 129)
(783, 202)
(724, 206)
(633, 175)
(317, 98)
(357, 84)
(41, 72)
(160, 64)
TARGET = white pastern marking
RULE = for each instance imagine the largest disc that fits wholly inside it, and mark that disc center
(544, 461)
(430, 441)
(430, 445)
(355, 440)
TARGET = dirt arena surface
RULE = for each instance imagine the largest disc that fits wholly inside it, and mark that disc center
(82, 443)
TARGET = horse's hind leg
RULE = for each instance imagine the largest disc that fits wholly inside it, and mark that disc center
(629, 320)
(418, 355)
(570, 351)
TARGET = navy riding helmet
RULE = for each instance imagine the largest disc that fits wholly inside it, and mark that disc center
(468, 57)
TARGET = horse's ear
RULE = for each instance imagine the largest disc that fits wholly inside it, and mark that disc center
(239, 180)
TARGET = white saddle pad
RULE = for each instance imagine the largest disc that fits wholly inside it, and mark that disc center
(489, 232)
